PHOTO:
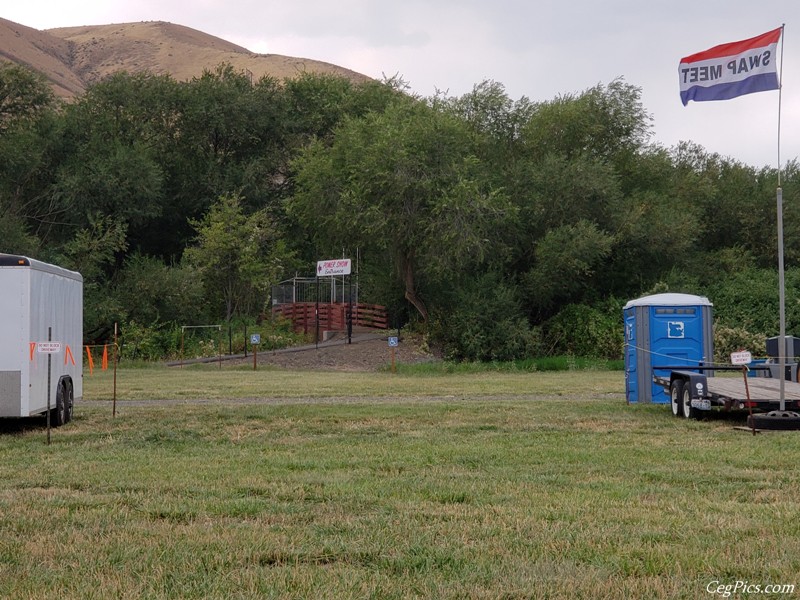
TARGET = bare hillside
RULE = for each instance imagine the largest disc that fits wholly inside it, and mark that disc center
(41, 52)
(74, 57)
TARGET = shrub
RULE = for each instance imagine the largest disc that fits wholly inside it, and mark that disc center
(732, 339)
(581, 330)
(486, 324)
(166, 341)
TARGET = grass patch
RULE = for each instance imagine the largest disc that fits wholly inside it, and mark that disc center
(533, 365)
(209, 382)
(512, 485)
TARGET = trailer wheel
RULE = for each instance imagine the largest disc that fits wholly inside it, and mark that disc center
(688, 410)
(58, 414)
(69, 402)
(676, 397)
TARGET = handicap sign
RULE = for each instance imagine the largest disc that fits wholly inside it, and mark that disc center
(675, 329)
(393, 341)
(255, 339)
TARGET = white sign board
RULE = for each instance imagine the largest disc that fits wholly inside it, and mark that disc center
(255, 339)
(48, 347)
(393, 341)
(741, 358)
(340, 266)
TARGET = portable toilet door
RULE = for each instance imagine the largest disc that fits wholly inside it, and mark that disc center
(667, 330)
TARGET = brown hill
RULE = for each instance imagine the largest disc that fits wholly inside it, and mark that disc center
(74, 57)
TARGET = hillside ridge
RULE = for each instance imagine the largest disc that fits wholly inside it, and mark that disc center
(73, 58)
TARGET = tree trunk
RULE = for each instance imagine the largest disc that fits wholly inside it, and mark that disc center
(407, 268)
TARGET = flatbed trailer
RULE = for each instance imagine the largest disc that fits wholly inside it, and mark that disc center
(692, 392)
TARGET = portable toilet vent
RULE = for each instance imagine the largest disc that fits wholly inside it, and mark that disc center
(664, 330)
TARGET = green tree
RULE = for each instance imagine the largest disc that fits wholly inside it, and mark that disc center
(234, 135)
(150, 292)
(582, 212)
(238, 256)
(405, 181)
(92, 252)
(604, 121)
(28, 128)
(484, 322)
(497, 121)
(318, 104)
(566, 258)
(111, 155)
(23, 94)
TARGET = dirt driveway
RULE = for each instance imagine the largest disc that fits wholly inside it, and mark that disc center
(366, 352)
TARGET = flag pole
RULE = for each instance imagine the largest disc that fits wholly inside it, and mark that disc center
(780, 98)
(781, 278)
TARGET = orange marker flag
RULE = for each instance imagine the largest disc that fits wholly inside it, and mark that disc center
(33, 350)
(89, 358)
(68, 356)
(105, 357)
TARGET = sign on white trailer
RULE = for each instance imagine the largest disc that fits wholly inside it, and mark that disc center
(48, 347)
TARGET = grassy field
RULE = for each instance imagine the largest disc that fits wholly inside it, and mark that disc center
(355, 485)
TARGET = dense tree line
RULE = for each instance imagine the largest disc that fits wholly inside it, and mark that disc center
(502, 227)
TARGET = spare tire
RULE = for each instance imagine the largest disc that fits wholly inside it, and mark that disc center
(776, 420)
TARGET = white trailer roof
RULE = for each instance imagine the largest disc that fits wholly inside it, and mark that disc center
(12, 260)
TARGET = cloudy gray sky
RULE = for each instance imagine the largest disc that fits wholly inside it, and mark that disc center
(539, 49)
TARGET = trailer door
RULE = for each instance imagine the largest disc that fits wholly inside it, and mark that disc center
(13, 340)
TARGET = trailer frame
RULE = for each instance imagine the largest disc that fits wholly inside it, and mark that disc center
(693, 393)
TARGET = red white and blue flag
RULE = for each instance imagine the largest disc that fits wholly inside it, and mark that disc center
(730, 70)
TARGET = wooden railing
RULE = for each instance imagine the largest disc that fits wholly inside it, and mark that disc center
(332, 316)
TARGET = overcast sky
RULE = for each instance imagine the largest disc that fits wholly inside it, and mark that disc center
(539, 49)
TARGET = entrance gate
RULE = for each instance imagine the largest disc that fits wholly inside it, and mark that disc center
(320, 304)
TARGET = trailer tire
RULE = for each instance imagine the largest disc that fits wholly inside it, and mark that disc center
(676, 396)
(689, 411)
(57, 414)
(69, 401)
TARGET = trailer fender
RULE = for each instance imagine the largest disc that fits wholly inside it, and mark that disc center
(696, 383)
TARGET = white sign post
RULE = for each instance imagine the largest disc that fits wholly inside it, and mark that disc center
(743, 358)
(49, 347)
(332, 268)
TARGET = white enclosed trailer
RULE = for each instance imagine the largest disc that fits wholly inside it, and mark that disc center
(41, 321)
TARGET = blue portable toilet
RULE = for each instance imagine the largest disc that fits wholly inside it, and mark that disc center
(664, 330)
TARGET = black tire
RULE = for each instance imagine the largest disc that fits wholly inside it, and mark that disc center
(689, 411)
(69, 403)
(58, 414)
(676, 397)
(775, 420)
